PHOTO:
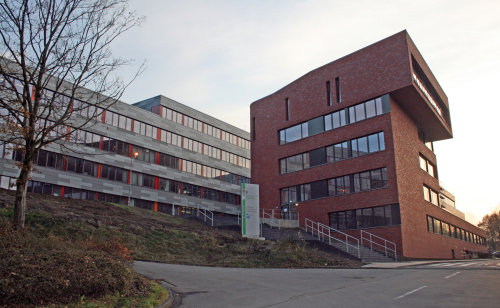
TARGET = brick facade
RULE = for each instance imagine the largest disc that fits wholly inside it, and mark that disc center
(384, 68)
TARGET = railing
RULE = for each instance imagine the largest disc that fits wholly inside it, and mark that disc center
(272, 220)
(328, 234)
(378, 243)
(207, 214)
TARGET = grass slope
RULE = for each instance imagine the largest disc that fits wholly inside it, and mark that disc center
(74, 248)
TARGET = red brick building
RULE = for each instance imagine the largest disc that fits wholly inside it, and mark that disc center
(351, 144)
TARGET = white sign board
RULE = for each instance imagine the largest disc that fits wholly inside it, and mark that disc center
(250, 210)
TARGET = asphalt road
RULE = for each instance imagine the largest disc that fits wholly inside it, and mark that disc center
(421, 285)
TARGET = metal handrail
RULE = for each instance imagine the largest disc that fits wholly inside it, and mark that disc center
(324, 231)
(203, 212)
(273, 221)
(385, 247)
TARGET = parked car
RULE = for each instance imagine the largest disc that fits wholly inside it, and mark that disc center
(496, 254)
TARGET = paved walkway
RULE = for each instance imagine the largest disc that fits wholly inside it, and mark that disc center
(199, 286)
(414, 263)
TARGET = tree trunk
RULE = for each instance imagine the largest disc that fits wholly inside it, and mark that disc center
(21, 190)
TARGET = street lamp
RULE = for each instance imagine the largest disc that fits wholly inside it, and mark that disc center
(134, 155)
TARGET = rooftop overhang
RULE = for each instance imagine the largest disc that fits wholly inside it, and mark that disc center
(426, 116)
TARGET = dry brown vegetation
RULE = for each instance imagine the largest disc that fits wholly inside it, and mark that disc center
(72, 248)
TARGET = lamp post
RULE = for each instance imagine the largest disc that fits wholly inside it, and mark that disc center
(134, 155)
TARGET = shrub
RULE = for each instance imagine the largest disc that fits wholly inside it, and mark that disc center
(38, 270)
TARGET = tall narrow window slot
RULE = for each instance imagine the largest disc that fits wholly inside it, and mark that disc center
(328, 94)
(337, 88)
(287, 106)
(253, 128)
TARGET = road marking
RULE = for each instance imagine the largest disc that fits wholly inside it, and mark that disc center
(441, 264)
(410, 292)
(452, 275)
(466, 264)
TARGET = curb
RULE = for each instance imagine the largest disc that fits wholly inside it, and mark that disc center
(169, 302)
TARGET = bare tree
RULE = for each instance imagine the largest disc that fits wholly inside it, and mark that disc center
(491, 224)
(57, 73)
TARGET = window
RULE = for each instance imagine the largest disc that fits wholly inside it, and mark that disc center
(360, 112)
(328, 122)
(347, 184)
(370, 109)
(253, 130)
(437, 226)
(293, 133)
(319, 189)
(427, 194)
(434, 198)
(287, 108)
(337, 88)
(427, 166)
(315, 126)
(373, 143)
(365, 180)
(430, 224)
(317, 157)
(328, 94)
(334, 120)
(423, 163)
(362, 146)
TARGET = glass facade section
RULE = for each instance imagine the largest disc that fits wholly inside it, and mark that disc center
(379, 216)
(336, 119)
(443, 228)
(347, 184)
(333, 153)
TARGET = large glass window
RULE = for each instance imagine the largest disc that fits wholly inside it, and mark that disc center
(319, 189)
(427, 194)
(362, 146)
(373, 143)
(346, 184)
(317, 157)
(370, 109)
(328, 122)
(293, 133)
(430, 224)
(360, 112)
(294, 163)
(334, 120)
(316, 126)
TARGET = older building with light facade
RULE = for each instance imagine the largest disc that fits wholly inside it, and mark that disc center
(161, 154)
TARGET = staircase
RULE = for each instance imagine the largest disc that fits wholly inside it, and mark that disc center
(369, 250)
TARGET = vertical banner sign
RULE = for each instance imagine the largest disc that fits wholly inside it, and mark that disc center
(250, 210)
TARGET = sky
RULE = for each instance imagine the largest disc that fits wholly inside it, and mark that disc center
(220, 56)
